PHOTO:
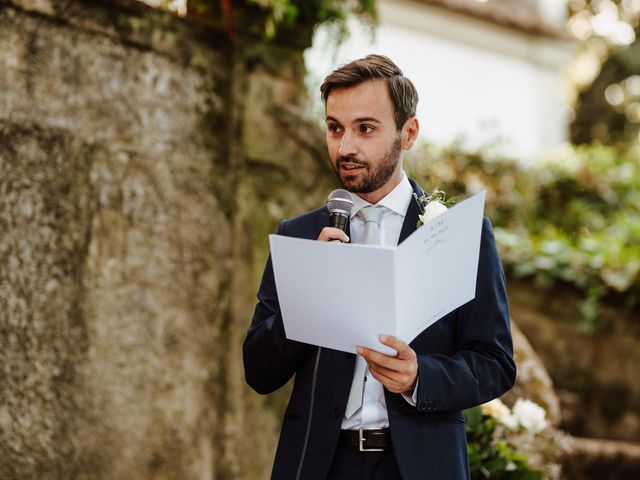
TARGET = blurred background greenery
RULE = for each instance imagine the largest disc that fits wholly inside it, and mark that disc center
(572, 218)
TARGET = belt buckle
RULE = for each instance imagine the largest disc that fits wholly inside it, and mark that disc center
(361, 441)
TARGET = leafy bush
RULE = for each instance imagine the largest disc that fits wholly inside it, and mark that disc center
(572, 218)
(316, 12)
(512, 445)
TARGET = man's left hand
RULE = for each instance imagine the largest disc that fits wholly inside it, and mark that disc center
(398, 374)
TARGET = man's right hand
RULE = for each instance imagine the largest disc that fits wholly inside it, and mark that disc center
(330, 234)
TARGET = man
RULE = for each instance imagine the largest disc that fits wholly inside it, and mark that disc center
(398, 416)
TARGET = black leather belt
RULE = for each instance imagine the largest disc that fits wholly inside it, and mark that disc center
(374, 440)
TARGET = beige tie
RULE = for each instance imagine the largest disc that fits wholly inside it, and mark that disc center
(371, 216)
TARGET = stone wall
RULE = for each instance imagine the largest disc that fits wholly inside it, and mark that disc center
(143, 160)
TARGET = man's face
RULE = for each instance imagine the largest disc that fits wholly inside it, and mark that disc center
(364, 145)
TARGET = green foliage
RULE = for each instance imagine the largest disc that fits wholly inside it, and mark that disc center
(574, 218)
(315, 12)
(491, 455)
(282, 13)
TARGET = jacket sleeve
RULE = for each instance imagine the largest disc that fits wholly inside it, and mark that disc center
(270, 359)
(482, 368)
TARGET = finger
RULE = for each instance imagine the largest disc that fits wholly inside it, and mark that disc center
(386, 380)
(392, 363)
(390, 375)
(329, 234)
(390, 383)
(404, 377)
(404, 350)
(401, 372)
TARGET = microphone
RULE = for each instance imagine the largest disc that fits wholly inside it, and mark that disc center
(339, 204)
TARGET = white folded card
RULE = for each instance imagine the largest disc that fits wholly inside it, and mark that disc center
(343, 295)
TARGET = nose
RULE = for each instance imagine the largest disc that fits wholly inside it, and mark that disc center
(347, 145)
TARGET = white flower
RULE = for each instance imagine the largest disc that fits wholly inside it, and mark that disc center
(530, 415)
(432, 210)
(500, 413)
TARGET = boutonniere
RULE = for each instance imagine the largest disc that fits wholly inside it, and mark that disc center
(431, 205)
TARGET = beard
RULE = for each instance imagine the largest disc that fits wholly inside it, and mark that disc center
(373, 177)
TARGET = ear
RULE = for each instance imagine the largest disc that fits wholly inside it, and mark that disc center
(410, 132)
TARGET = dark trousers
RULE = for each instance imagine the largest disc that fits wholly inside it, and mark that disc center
(351, 464)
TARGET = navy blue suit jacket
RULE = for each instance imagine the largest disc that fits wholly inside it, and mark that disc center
(464, 359)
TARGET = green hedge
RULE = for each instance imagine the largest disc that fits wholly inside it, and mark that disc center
(572, 218)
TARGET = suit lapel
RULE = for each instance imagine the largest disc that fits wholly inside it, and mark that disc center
(411, 218)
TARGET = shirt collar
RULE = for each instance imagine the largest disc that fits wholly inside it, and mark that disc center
(397, 200)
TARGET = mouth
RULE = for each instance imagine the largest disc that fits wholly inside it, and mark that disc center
(351, 167)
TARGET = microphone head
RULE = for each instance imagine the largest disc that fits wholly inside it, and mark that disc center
(339, 201)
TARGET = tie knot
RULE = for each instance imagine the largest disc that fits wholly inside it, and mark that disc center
(371, 214)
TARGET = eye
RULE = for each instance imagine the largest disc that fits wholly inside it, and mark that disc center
(334, 128)
(364, 128)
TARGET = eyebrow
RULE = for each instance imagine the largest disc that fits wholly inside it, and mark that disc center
(357, 120)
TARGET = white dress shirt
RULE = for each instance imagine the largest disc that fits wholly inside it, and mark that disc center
(373, 413)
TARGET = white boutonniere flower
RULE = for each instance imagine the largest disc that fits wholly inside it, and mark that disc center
(430, 206)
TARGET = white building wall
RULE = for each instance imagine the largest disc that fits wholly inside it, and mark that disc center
(474, 79)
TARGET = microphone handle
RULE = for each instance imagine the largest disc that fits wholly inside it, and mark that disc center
(338, 220)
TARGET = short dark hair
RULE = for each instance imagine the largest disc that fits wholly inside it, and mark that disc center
(402, 92)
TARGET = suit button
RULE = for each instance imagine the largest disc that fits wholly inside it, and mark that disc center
(337, 413)
(424, 405)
